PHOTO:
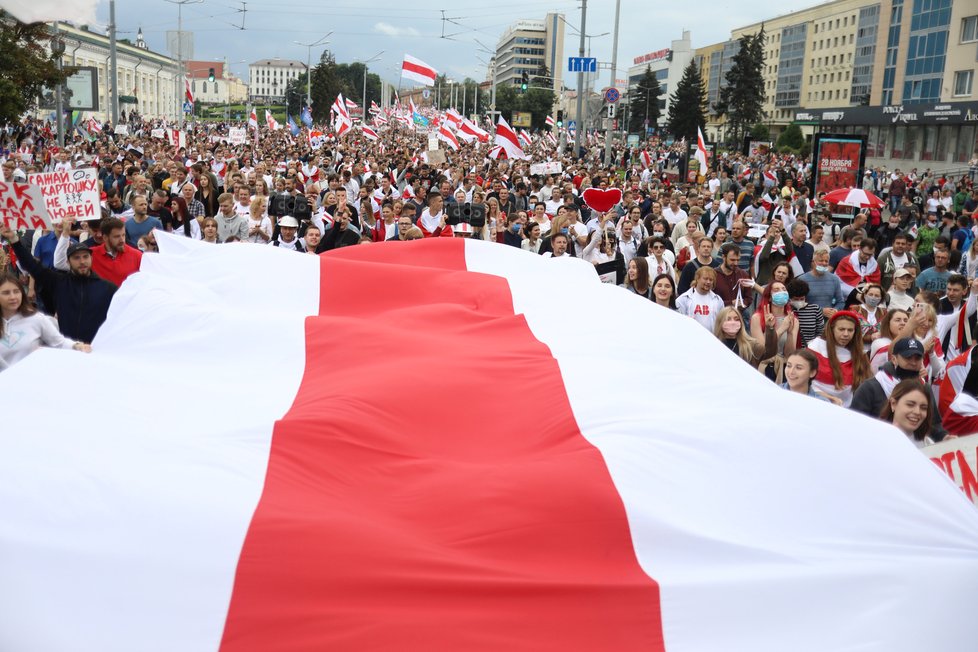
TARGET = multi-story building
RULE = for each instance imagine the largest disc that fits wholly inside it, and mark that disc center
(530, 46)
(667, 65)
(268, 78)
(226, 88)
(901, 72)
(146, 80)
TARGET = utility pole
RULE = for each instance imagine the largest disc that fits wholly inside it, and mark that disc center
(58, 46)
(309, 47)
(492, 100)
(115, 65)
(179, 81)
(609, 132)
(580, 82)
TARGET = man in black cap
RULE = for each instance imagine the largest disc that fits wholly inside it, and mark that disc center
(81, 298)
(906, 361)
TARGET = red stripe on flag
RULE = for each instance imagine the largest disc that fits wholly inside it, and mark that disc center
(421, 70)
(434, 493)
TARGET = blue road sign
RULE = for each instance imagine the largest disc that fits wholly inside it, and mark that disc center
(582, 64)
(572, 124)
(188, 107)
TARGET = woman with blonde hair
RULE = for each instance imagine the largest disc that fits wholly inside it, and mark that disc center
(730, 330)
(259, 225)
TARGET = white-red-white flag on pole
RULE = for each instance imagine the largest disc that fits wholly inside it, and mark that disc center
(508, 140)
(253, 119)
(271, 121)
(340, 108)
(369, 133)
(464, 527)
(417, 70)
(701, 154)
(188, 93)
(454, 117)
(94, 125)
(550, 121)
(445, 135)
(468, 128)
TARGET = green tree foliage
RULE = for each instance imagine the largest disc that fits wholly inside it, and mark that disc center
(643, 102)
(27, 66)
(742, 96)
(760, 131)
(537, 101)
(791, 139)
(687, 104)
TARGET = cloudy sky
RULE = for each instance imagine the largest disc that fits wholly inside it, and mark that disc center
(444, 38)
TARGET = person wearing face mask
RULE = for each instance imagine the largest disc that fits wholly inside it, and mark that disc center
(870, 311)
(811, 319)
(730, 330)
(774, 303)
(906, 363)
(899, 295)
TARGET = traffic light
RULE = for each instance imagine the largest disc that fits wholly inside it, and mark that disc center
(560, 118)
(210, 74)
(525, 81)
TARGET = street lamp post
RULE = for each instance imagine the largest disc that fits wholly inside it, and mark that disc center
(363, 98)
(309, 47)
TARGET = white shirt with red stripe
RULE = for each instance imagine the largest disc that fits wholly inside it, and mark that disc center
(825, 380)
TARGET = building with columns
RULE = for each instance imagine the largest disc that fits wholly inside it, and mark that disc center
(268, 79)
(146, 80)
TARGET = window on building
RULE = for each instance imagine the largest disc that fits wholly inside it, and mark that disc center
(204, 87)
(969, 29)
(962, 82)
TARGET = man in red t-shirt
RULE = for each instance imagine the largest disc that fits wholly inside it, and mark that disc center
(113, 260)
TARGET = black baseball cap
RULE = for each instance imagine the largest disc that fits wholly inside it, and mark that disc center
(908, 347)
(75, 247)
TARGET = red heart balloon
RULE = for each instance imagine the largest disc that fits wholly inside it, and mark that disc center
(602, 200)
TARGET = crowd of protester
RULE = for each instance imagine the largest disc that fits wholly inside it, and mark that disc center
(864, 309)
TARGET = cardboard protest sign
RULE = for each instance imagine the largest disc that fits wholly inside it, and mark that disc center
(69, 193)
(158, 133)
(959, 459)
(237, 135)
(22, 207)
(121, 130)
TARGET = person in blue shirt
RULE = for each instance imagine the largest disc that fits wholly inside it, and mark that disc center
(824, 287)
(934, 279)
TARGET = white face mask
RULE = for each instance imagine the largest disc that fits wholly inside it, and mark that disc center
(798, 304)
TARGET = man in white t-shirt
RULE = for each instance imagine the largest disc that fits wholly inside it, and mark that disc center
(700, 302)
(578, 233)
(673, 213)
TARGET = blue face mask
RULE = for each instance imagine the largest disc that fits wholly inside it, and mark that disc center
(516, 228)
(779, 298)
(565, 230)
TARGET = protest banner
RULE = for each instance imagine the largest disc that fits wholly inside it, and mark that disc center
(549, 167)
(69, 193)
(237, 135)
(121, 130)
(959, 459)
(158, 133)
(22, 207)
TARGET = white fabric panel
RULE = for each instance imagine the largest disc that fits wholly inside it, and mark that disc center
(129, 538)
(771, 521)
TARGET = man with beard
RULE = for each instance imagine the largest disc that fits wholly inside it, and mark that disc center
(114, 259)
(81, 297)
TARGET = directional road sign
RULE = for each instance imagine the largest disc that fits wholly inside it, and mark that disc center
(582, 64)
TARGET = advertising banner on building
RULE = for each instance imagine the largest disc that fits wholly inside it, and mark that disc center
(839, 161)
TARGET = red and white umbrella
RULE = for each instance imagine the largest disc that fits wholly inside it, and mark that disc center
(854, 197)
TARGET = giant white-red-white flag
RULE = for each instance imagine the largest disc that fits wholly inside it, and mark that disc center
(321, 514)
(417, 70)
(508, 140)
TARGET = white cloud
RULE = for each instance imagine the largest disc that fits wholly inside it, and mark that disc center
(391, 30)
